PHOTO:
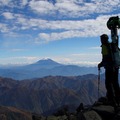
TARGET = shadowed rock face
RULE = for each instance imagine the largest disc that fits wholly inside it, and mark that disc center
(45, 95)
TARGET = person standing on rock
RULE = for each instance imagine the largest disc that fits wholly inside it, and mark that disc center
(111, 71)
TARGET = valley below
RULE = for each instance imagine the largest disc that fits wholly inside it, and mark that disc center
(46, 95)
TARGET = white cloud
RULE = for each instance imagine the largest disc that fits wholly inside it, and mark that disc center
(19, 60)
(74, 8)
(62, 8)
(84, 59)
(42, 7)
(66, 28)
(4, 28)
(14, 3)
(66, 24)
(65, 8)
(4, 2)
(76, 59)
(60, 36)
(84, 28)
(8, 15)
(81, 25)
(24, 2)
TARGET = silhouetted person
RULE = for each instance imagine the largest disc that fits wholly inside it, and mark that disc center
(111, 71)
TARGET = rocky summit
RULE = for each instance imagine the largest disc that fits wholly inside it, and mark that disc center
(98, 111)
(12, 113)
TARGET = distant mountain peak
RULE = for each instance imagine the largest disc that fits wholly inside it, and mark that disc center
(47, 61)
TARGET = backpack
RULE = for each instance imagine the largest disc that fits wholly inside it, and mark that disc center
(115, 51)
(117, 57)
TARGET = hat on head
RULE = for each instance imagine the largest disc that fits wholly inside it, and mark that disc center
(104, 38)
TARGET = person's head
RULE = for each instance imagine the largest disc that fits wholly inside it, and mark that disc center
(104, 39)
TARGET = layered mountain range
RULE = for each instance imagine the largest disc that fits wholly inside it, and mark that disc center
(45, 95)
(44, 68)
(45, 86)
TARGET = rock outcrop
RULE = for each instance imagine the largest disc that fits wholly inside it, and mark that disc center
(11, 113)
(97, 111)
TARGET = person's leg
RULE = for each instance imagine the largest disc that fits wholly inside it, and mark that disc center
(116, 85)
(108, 84)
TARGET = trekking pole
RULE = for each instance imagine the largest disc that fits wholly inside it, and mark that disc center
(98, 82)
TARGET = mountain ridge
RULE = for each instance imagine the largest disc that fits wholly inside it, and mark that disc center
(44, 68)
(49, 93)
(44, 64)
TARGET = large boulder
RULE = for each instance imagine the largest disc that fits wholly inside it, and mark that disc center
(105, 111)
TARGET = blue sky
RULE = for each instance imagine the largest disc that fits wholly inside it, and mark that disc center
(66, 31)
